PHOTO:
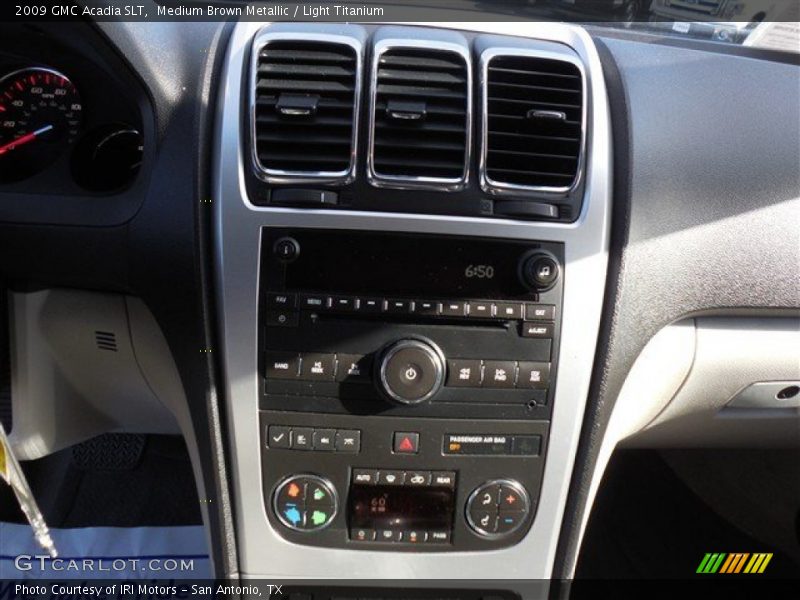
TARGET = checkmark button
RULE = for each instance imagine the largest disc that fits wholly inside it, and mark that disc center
(278, 436)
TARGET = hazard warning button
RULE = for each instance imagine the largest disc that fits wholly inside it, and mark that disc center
(406, 442)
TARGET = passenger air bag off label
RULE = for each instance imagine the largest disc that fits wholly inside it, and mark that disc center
(472, 444)
(477, 444)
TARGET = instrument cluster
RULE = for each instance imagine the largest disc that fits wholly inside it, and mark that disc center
(43, 122)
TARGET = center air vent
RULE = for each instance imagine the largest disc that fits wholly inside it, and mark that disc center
(305, 104)
(420, 117)
(533, 124)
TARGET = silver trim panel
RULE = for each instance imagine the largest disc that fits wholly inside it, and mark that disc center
(501, 188)
(237, 233)
(279, 176)
(456, 46)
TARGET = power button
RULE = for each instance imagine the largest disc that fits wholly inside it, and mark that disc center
(286, 249)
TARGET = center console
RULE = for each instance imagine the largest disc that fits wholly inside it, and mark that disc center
(409, 294)
(452, 341)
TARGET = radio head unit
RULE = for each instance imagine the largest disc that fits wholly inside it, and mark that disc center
(383, 323)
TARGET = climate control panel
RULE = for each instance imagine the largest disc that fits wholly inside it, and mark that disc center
(449, 486)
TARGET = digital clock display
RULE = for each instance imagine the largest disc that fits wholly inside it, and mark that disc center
(403, 264)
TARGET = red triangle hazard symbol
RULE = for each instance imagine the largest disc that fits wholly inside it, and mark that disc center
(406, 445)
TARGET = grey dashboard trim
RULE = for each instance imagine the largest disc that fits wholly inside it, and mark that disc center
(237, 228)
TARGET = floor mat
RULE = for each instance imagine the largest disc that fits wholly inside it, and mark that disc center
(107, 553)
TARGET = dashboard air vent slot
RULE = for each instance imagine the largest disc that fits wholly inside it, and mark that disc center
(533, 130)
(420, 117)
(305, 104)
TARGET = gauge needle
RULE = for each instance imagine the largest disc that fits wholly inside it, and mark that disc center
(28, 137)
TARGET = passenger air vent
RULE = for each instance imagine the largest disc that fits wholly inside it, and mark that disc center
(533, 121)
(305, 104)
(420, 117)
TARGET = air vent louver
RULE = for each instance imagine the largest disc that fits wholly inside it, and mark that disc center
(534, 134)
(421, 104)
(306, 99)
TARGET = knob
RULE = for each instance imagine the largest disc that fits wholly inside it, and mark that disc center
(498, 508)
(539, 270)
(305, 502)
(286, 249)
(411, 371)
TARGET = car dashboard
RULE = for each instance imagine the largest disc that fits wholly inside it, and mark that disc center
(402, 288)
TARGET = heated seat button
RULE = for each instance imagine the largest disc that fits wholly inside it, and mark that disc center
(282, 365)
(534, 375)
(317, 367)
(463, 373)
(359, 534)
(499, 373)
(415, 536)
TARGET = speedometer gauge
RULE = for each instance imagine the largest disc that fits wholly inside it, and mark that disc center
(40, 117)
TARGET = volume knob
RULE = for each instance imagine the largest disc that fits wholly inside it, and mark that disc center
(411, 371)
